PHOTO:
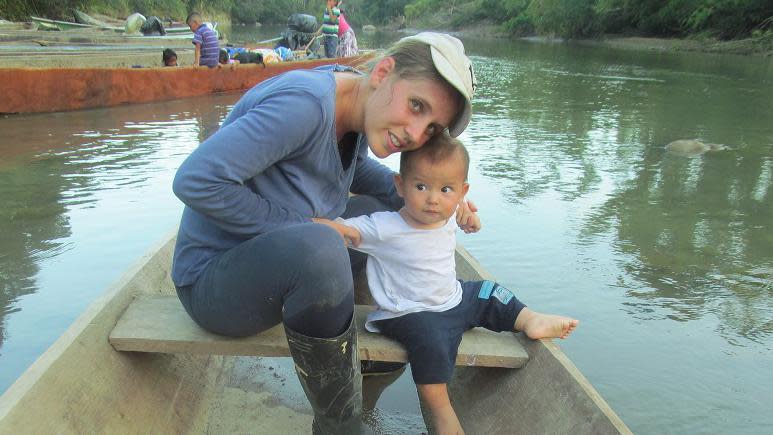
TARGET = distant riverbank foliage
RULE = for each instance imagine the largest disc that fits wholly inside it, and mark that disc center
(21, 10)
(238, 11)
(724, 19)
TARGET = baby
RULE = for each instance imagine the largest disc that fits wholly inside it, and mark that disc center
(412, 275)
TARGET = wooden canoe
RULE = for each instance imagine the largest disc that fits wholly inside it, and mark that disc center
(33, 90)
(45, 23)
(83, 18)
(83, 385)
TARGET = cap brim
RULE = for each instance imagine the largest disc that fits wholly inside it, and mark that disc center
(448, 72)
(462, 121)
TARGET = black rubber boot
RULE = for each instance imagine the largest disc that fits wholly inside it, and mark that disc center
(329, 371)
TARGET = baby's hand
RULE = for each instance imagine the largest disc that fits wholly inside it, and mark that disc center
(350, 235)
(467, 217)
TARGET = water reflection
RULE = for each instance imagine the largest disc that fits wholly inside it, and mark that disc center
(692, 234)
(54, 168)
(696, 238)
(33, 225)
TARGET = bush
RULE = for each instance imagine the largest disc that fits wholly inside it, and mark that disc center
(564, 18)
(519, 25)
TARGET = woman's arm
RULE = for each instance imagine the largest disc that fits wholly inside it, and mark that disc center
(212, 179)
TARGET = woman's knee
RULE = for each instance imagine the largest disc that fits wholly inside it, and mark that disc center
(324, 249)
(323, 262)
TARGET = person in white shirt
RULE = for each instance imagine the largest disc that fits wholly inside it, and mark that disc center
(412, 275)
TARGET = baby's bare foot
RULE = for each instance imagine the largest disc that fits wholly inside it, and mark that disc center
(537, 325)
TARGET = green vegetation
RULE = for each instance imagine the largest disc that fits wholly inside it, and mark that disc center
(62, 9)
(723, 19)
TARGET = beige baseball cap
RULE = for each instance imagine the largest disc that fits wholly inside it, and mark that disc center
(451, 62)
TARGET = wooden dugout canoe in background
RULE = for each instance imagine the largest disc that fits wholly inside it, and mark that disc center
(81, 384)
(33, 90)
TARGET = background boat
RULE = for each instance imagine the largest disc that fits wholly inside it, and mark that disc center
(47, 24)
(32, 90)
(82, 385)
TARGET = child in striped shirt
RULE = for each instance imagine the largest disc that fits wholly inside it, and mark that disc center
(330, 28)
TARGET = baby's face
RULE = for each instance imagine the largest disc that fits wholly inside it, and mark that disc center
(432, 191)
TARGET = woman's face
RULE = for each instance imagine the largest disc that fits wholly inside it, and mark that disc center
(401, 115)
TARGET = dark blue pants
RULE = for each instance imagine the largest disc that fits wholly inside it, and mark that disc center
(331, 45)
(300, 275)
(432, 338)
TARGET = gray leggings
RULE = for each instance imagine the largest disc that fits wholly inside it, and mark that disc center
(300, 275)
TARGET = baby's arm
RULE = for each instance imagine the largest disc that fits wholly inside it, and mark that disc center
(350, 235)
(467, 217)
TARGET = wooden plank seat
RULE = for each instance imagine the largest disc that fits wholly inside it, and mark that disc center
(160, 324)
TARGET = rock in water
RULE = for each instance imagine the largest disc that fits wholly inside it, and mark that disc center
(692, 147)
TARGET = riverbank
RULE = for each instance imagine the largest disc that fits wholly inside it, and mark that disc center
(762, 46)
(759, 46)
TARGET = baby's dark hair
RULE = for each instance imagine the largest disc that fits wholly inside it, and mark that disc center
(167, 55)
(439, 147)
(224, 58)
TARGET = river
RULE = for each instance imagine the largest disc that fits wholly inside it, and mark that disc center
(667, 260)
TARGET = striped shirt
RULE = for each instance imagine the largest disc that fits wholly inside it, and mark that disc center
(210, 48)
(330, 22)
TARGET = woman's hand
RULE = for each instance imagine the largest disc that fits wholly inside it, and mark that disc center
(467, 217)
(350, 235)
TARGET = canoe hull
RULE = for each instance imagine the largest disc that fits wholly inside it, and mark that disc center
(34, 90)
(82, 385)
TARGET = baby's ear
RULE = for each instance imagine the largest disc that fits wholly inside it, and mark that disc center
(399, 184)
(465, 189)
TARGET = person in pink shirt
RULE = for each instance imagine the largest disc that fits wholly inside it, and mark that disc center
(347, 41)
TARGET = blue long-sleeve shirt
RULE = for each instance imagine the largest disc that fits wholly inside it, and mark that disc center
(273, 163)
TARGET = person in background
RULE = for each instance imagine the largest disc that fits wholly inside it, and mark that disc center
(205, 39)
(169, 57)
(225, 59)
(347, 41)
(330, 28)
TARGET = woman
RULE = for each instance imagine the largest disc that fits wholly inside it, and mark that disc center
(256, 245)
(347, 41)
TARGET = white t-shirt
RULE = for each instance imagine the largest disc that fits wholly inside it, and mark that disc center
(408, 269)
